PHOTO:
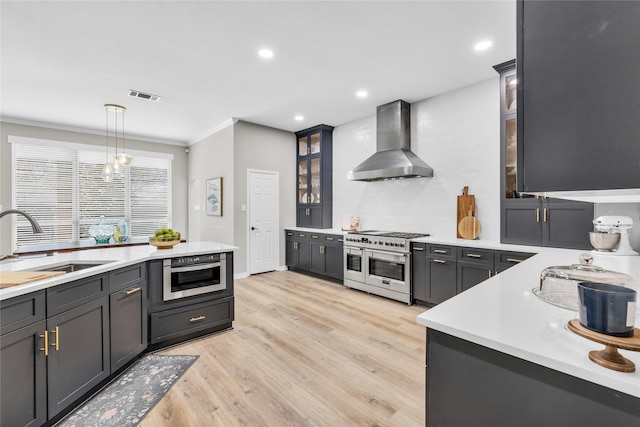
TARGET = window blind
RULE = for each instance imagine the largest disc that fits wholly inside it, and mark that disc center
(63, 189)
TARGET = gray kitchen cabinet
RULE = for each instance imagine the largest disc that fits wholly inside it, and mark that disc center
(127, 314)
(578, 95)
(23, 370)
(177, 320)
(314, 177)
(439, 272)
(78, 357)
(326, 255)
(433, 273)
(334, 256)
(497, 389)
(525, 219)
(298, 250)
(474, 265)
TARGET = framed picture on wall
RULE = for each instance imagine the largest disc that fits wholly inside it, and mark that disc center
(214, 196)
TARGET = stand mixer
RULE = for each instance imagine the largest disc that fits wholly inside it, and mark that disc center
(615, 224)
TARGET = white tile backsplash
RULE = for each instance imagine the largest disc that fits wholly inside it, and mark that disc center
(458, 135)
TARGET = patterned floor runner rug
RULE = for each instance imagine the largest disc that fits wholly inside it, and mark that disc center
(126, 400)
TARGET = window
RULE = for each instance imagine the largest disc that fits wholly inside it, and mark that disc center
(60, 184)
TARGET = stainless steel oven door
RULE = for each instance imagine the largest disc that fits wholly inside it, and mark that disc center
(354, 264)
(388, 270)
(194, 279)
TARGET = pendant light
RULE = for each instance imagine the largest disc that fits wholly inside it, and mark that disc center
(121, 158)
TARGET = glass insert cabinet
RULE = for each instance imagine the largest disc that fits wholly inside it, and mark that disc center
(314, 177)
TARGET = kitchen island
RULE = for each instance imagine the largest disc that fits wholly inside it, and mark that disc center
(498, 355)
(64, 337)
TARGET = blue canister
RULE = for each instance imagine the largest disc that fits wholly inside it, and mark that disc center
(607, 309)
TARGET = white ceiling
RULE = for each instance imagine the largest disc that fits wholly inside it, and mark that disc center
(63, 60)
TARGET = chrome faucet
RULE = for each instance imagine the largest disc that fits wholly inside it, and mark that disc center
(32, 220)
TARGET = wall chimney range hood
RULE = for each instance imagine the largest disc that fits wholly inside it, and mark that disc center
(393, 157)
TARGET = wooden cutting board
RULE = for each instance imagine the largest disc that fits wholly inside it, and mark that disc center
(469, 227)
(14, 278)
(465, 202)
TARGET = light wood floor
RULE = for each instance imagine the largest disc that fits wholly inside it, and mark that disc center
(303, 352)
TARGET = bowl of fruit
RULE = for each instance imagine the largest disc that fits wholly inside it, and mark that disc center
(165, 238)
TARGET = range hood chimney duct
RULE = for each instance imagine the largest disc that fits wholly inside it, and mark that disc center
(393, 157)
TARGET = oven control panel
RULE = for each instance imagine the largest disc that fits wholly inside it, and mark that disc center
(195, 259)
(388, 243)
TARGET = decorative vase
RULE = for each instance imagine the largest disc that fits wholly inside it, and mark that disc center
(124, 228)
(102, 231)
(118, 235)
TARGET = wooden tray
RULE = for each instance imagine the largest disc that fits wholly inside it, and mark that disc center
(609, 357)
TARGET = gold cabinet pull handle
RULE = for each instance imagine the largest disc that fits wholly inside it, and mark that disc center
(537, 214)
(440, 251)
(329, 238)
(514, 260)
(418, 249)
(57, 342)
(46, 343)
(489, 274)
(474, 256)
(303, 235)
(132, 291)
(196, 319)
(440, 261)
(544, 216)
(314, 237)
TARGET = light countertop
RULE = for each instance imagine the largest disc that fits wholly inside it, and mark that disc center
(113, 258)
(503, 314)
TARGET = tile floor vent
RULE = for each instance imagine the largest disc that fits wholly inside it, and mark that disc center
(142, 95)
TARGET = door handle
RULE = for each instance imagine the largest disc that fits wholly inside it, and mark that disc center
(253, 228)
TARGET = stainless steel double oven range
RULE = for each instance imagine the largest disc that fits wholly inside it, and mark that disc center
(379, 262)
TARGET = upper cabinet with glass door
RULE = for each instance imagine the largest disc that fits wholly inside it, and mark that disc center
(509, 130)
(314, 182)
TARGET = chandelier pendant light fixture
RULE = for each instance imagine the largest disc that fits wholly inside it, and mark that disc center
(121, 158)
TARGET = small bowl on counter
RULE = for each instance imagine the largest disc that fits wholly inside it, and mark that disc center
(164, 242)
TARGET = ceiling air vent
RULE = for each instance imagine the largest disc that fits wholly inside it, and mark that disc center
(142, 95)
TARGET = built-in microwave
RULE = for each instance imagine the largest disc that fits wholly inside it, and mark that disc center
(193, 275)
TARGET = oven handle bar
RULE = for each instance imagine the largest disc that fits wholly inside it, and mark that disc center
(396, 255)
(194, 267)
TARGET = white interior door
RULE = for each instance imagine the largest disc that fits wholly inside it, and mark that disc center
(263, 221)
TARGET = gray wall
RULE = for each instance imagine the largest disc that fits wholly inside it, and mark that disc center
(209, 158)
(179, 169)
(263, 148)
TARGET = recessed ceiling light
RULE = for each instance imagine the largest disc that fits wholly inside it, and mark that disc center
(299, 118)
(362, 94)
(265, 53)
(483, 45)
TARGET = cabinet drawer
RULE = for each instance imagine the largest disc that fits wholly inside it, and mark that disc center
(476, 255)
(441, 251)
(174, 323)
(124, 277)
(73, 294)
(333, 238)
(512, 258)
(420, 247)
(302, 235)
(21, 311)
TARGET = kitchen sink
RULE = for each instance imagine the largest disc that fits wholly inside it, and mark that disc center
(70, 267)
